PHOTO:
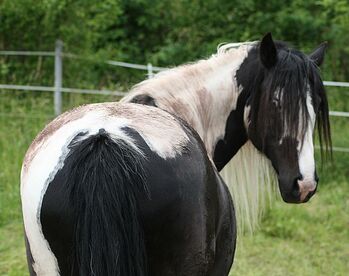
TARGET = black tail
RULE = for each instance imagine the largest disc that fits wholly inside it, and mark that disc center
(104, 177)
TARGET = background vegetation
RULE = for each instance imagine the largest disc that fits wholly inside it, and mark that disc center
(164, 32)
(311, 239)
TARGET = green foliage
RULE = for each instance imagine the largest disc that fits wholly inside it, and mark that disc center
(163, 32)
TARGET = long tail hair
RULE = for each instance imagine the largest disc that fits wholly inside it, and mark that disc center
(252, 184)
(105, 174)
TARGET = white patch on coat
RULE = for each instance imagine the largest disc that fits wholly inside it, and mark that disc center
(247, 120)
(46, 156)
(306, 154)
(305, 148)
(202, 93)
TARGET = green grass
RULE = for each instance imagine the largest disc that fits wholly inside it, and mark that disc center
(308, 239)
(12, 251)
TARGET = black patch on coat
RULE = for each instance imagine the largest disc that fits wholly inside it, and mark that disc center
(90, 215)
(143, 99)
(235, 135)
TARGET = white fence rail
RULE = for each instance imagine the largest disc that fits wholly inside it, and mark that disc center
(336, 83)
(58, 55)
(63, 89)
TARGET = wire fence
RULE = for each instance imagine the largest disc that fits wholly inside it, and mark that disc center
(57, 89)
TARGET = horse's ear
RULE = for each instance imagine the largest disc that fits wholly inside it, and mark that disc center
(318, 54)
(267, 51)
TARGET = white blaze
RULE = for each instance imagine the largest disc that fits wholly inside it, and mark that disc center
(306, 155)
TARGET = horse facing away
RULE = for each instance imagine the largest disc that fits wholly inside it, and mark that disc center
(124, 189)
(169, 212)
(258, 95)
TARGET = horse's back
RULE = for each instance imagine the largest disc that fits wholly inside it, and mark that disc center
(178, 211)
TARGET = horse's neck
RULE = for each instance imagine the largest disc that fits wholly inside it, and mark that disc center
(203, 94)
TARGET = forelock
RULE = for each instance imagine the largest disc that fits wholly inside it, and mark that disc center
(288, 83)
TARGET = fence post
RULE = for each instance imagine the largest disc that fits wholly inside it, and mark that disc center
(58, 78)
(150, 70)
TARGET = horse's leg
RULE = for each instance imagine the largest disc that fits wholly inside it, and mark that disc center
(179, 230)
(194, 234)
(226, 233)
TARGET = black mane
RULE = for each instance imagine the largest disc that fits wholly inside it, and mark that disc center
(294, 73)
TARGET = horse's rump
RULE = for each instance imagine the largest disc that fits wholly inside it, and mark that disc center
(124, 189)
(90, 214)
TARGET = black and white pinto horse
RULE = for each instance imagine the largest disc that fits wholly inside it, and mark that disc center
(130, 189)
(251, 96)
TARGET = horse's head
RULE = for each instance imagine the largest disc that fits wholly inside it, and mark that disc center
(285, 98)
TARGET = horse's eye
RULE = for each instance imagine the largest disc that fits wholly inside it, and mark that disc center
(276, 103)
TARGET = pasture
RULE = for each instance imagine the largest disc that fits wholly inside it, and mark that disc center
(309, 239)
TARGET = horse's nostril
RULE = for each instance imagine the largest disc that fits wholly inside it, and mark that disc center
(306, 189)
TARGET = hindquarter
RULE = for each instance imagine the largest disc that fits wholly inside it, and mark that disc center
(189, 219)
(47, 154)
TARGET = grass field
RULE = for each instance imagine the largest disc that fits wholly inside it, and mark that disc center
(308, 239)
